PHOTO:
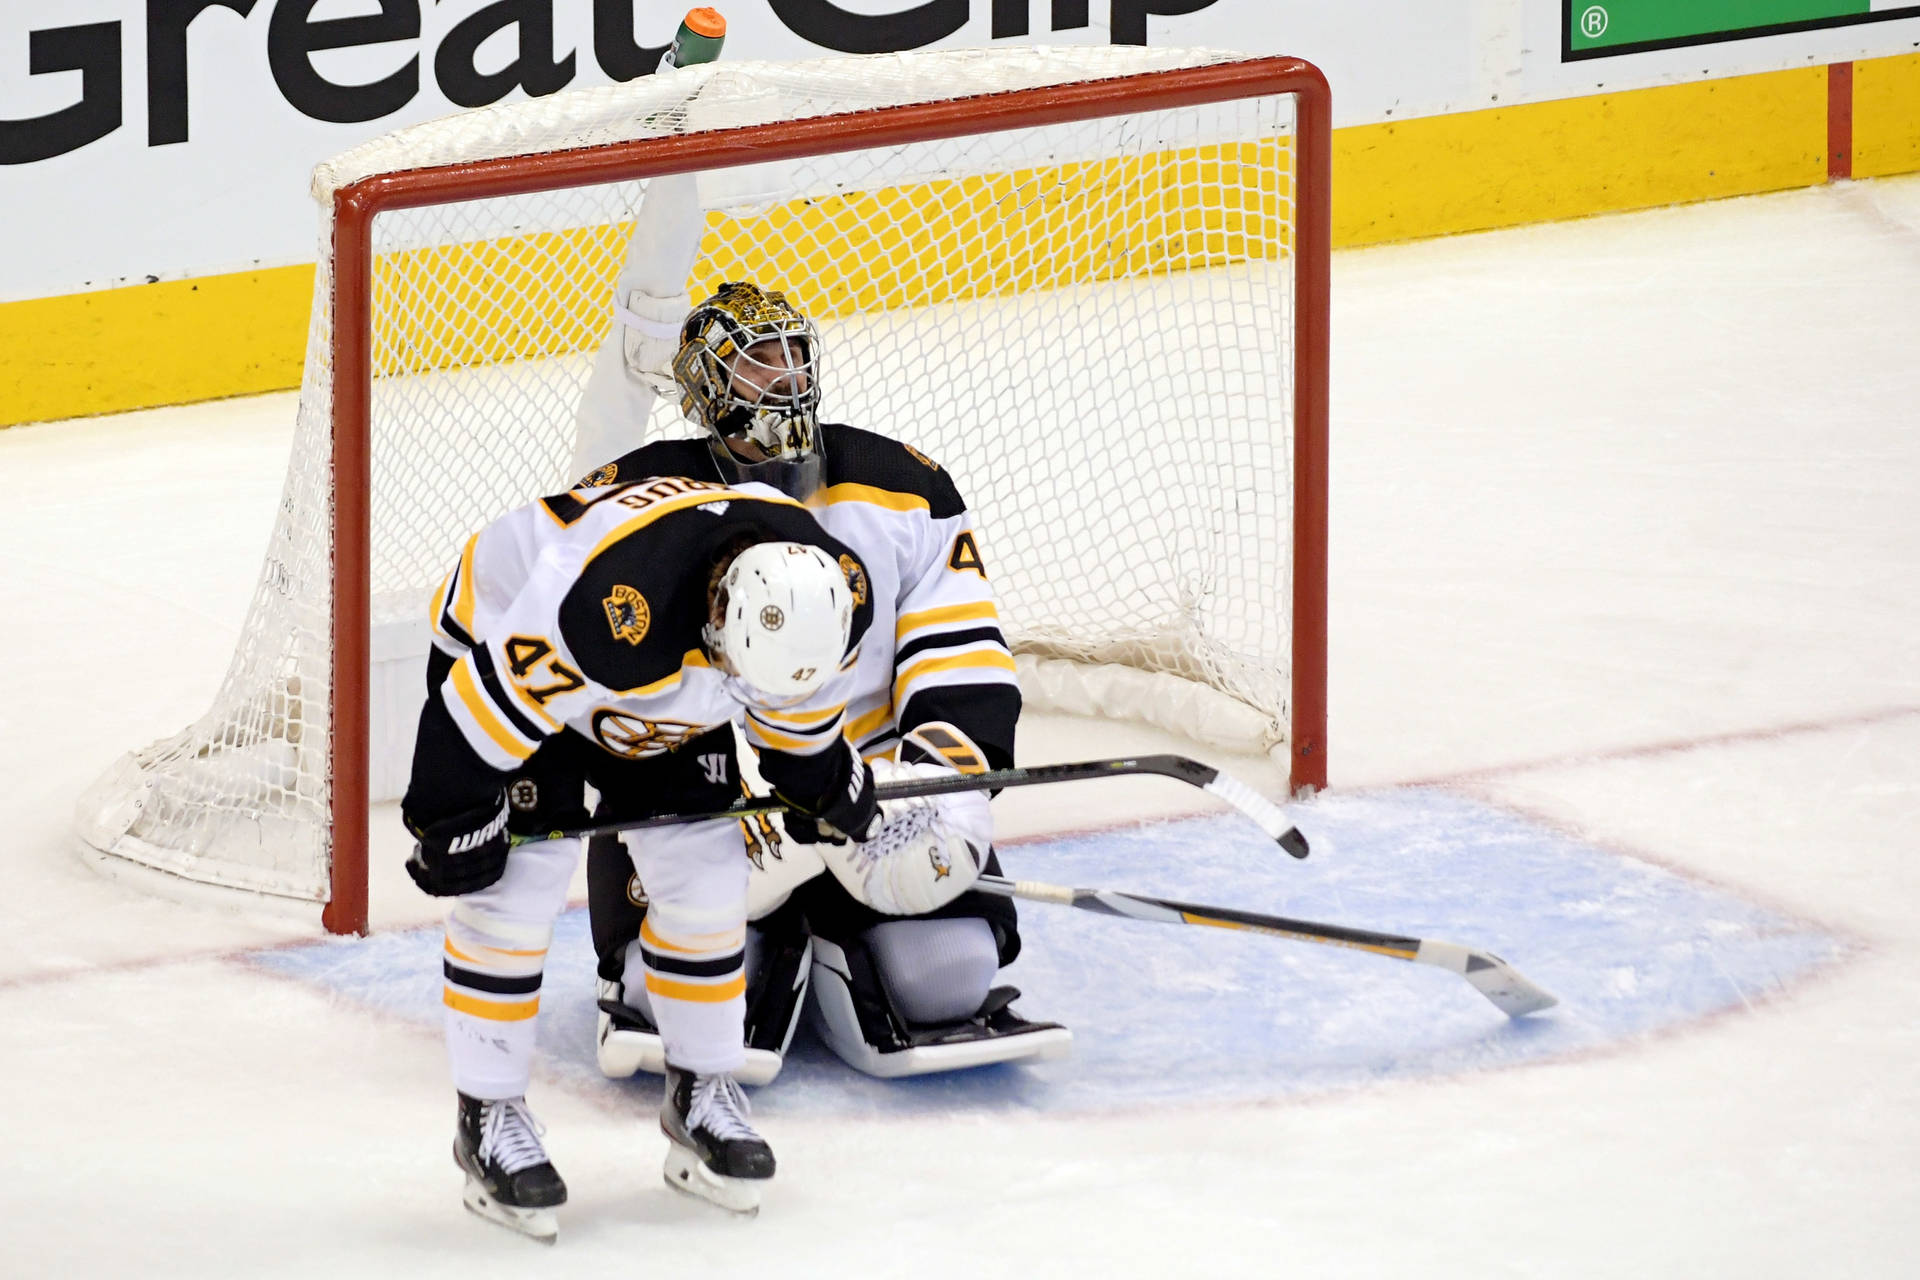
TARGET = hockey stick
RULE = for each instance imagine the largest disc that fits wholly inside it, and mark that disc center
(1492, 977)
(1265, 813)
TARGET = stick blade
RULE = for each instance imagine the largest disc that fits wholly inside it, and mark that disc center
(1270, 816)
(1511, 991)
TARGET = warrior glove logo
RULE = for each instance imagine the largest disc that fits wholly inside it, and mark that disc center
(627, 614)
(474, 839)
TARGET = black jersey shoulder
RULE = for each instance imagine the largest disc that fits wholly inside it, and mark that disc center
(868, 458)
(662, 458)
(638, 607)
(686, 457)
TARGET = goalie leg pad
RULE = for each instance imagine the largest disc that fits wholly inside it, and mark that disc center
(854, 1014)
(935, 971)
(779, 966)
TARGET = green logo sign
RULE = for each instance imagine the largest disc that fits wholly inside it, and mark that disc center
(1637, 26)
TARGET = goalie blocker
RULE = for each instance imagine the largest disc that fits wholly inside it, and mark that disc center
(818, 930)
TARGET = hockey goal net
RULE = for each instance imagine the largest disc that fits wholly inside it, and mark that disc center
(1092, 283)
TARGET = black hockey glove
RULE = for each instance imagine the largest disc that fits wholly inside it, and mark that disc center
(461, 854)
(848, 810)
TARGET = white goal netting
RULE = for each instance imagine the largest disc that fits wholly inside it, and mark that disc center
(1089, 324)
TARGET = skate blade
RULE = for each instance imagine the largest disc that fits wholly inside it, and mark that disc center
(536, 1224)
(685, 1173)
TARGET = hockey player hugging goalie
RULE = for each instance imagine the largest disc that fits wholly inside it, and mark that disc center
(901, 959)
(621, 635)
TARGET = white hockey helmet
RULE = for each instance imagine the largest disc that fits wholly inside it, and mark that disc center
(779, 619)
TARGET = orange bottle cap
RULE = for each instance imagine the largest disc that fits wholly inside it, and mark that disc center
(705, 22)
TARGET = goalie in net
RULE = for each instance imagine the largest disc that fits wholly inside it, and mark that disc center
(900, 962)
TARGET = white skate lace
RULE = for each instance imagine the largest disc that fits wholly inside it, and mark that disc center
(510, 1136)
(720, 1107)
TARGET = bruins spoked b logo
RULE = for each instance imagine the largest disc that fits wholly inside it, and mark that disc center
(627, 614)
(771, 618)
(633, 737)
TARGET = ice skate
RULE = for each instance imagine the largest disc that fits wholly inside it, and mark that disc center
(712, 1151)
(509, 1178)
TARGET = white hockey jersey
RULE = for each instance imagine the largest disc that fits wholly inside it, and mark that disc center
(936, 651)
(584, 611)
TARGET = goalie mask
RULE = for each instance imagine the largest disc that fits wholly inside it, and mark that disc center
(748, 370)
(778, 620)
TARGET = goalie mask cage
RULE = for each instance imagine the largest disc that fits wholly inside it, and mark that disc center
(1091, 282)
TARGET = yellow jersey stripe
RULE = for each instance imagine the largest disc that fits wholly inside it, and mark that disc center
(719, 993)
(799, 719)
(971, 611)
(697, 945)
(495, 1010)
(891, 499)
(825, 728)
(463, 599)
(484, 715)
(440, 603)
(691, 658)
(760, 735)
(983, 659)
(867, 725)
(464, 958)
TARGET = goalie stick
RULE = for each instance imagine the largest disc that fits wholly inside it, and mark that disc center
(1265, 813)
(1509, 990)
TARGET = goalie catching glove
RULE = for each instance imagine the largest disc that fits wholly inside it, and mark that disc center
(461, 854)
(927, 850)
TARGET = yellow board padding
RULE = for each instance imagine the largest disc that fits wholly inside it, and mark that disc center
(169, 343)
(546, 294)
(954, 240)
(941, 241)
(1544, 161)
(1886, 116)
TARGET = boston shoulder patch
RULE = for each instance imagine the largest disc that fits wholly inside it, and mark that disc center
(627, 614)
(856, 579)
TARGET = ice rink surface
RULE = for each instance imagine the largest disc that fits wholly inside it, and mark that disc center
(1625, 686)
